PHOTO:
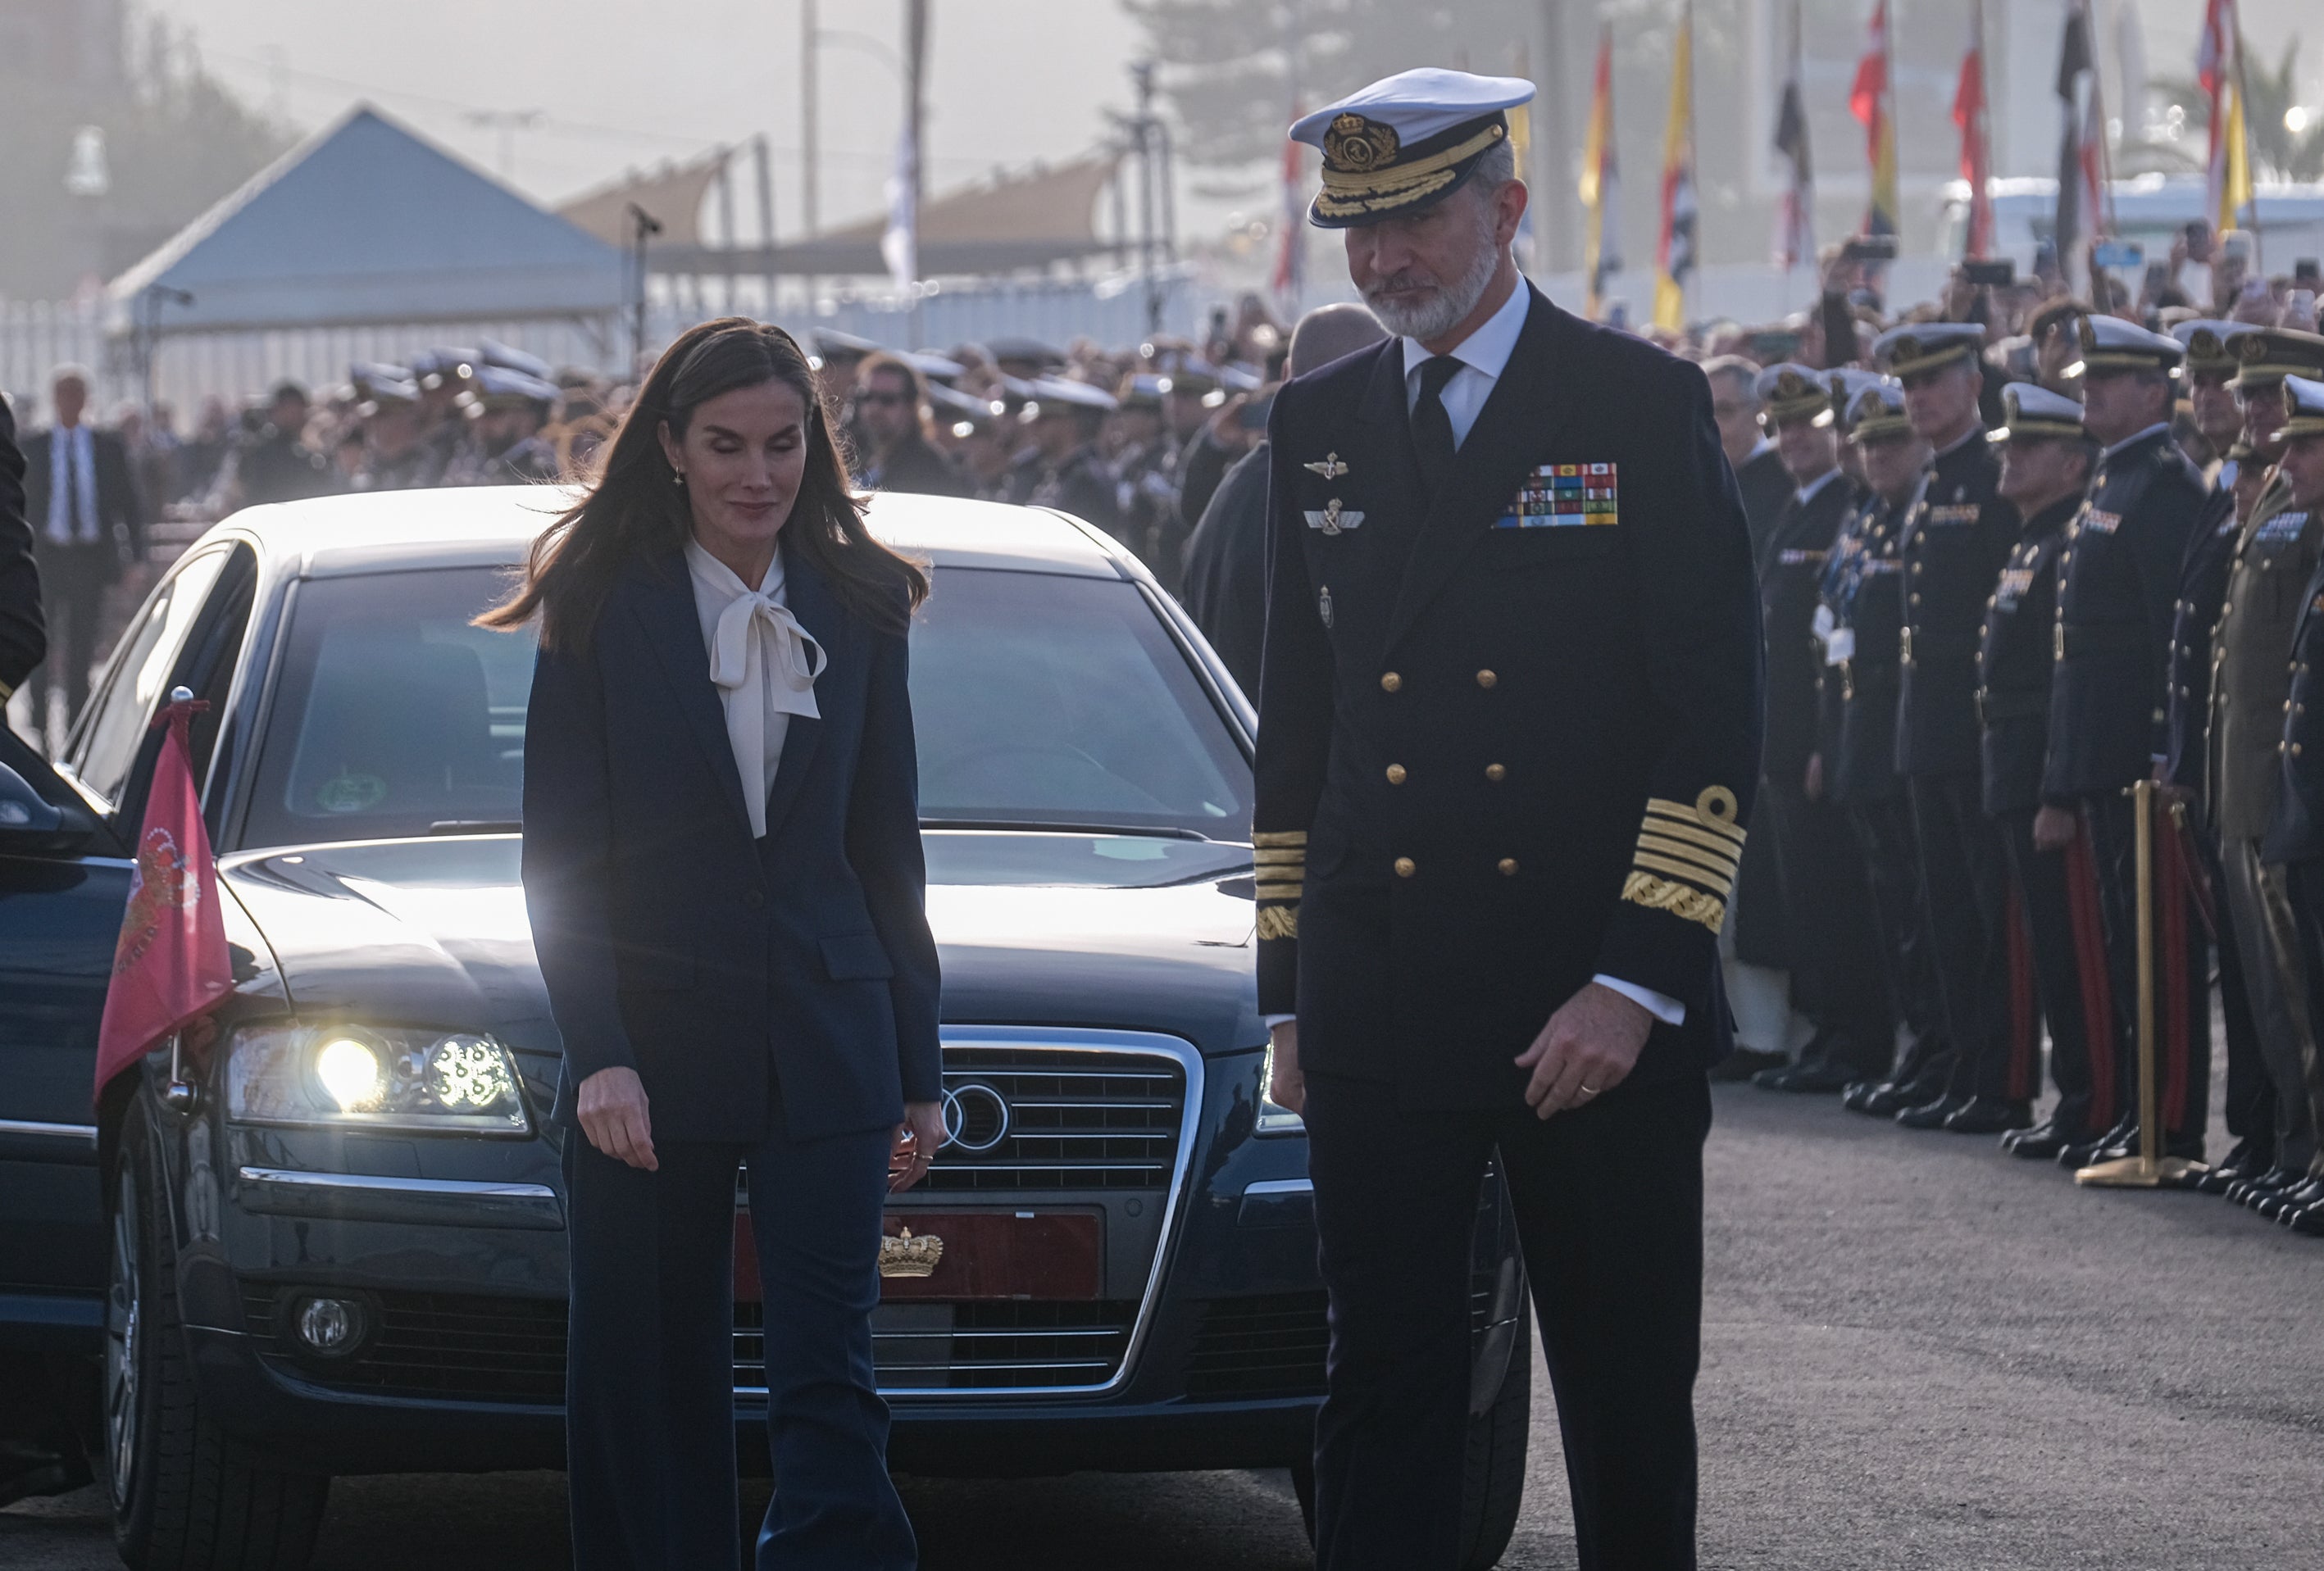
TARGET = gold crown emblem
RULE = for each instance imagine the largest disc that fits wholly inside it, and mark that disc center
(2252, 347)
(1908, 349)
(905, 1255)
(1791, 384)
(1357, 144)
(2203, 344)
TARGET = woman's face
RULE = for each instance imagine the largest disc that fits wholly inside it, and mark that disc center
(743, 455)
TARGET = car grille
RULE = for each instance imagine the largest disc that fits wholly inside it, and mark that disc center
(979, 1346)
(437, 1345)
(1268, 1345)
(1103, 1119)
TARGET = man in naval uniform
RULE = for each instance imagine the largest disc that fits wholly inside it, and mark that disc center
(1512, 689)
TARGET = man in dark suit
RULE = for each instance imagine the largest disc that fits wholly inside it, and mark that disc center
(896, 455)
(88, 524)
(1751, 452)
(24, 633)
(1512, 692)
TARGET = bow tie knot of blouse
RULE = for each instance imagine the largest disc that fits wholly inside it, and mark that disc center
(763, 664)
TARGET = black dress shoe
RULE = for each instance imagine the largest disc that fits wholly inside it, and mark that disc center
(1811, 1078)
(2298, 1198)
(2248, 1158)
(1887, 1100)
(2042, 1143)
(1932, 1115)
(2274, 1180)
(2083, 1153)
(2125, 1142)
(1989, 1115)
(1746, 1062)
(1853, 1095)
(2310, 1221)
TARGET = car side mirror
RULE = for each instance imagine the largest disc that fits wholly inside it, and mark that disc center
(32, 825)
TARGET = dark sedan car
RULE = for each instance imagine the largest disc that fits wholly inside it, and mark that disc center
(333, 1242)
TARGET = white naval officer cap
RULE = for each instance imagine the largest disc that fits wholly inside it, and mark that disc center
(2303, 409)
(1406, 143)
(1875, 411)
(1063, 392)
(1789, 391)
(2109, 343)
(2035, 413)
(2210, 343)
(1918, 346)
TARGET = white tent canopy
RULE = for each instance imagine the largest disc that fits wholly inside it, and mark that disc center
(366, 223)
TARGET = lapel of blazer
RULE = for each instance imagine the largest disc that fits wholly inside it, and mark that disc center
(809, 596)
(1532, 397)
(662, 597)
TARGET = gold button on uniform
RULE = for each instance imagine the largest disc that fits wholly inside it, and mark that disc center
(1485, 678)
(1508, 866)
(1496, 773)
(1390, 682)
(1395, 774)
(1406, 867)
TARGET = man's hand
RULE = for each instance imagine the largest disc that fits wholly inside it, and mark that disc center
(917, 1138)
(2055, 828)
(1814, 783)
(613, 1110)
(1286, 1085)
(1587, 1049)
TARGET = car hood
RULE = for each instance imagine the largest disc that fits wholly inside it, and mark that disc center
(1122, 932)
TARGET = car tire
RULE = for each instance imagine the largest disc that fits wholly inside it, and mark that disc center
(186, 1496)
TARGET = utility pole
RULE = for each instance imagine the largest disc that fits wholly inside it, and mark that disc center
(642, 226)
(764, 167)
(1146, 132)
(810, 37)
(916, 50)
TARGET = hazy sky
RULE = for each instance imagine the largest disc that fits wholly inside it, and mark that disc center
(627, 83)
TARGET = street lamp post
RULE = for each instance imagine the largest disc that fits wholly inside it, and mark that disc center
(642, 225)
(148, 334)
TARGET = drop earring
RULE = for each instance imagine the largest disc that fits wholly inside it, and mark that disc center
(678, 477)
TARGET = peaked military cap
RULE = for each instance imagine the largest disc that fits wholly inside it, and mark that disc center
(1918, 346)
(432, 367)
(1141, 390)
(511, 358)
(1064, 392)
(2031, 413)
(964, 408)
(2110, 344)
(1845, 381)
(931, 365)
(387, 392)
(1791, 392)
(1406, 143)
(2269, 354)
(1876, 412)
(2210, 343)
(503, 387)
(2304, 408)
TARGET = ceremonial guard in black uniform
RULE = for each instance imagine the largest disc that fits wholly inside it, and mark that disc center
(1145, 491)
(1063, 470)
(24, 635)
(2117, 578)
(1837, 966)
(1957, 536)
(2045, 474)
(2295, 838)
(1512, 690)
(2276, 552)
(2207, 375)
(1864, 593)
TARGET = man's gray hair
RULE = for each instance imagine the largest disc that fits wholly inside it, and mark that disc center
(71, 370)
(1743, 369)
(1330, 333)
(1495, 169)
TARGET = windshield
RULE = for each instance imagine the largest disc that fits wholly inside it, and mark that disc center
(1039, 699)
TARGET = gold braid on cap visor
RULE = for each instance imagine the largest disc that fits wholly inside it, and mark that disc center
(1347, 191)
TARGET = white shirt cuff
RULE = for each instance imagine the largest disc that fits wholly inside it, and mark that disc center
(1275, 1020)
(1668, 1010)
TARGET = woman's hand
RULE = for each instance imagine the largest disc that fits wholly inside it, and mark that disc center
(917, 1139)
(613, 1110)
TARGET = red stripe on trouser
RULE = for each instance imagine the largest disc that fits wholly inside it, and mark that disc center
(2090, 972)
(2025, 1024)
(2173, 895)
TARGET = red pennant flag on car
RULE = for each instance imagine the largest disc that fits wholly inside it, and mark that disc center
(169, 967)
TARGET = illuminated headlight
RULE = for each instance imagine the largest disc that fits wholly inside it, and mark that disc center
(376, 1078)
(1274, 1117)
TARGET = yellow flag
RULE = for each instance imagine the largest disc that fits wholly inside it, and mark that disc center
(1675, 257)
(2236, 190)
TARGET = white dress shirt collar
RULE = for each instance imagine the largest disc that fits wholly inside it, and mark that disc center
(1813, 488)
(763, 664)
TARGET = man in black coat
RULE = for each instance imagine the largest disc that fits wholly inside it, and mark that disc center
(1512, 697)
(23, 634)
(889, 401)
(1225, 585)
(88, 524)
(1759, 471)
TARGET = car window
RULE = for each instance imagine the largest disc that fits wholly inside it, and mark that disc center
(105, 746)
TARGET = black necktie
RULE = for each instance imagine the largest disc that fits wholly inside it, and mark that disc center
(1431, 428)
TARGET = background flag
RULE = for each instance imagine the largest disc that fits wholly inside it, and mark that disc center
(1674, 256)
(1602, 183)
(1795, 219)
(1290, 278)
(1872, 100)
(2082, 149)
(900, 245)
(1976, 139)
(170, 965)
(2218, 67)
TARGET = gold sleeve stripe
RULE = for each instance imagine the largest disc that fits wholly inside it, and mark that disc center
(1692, 830)
(1717, 867)
(1280, 891)
(1721, 887)
(1293, 857)
(1278, 922)
(6, 693)
(1656, 894)
(1289, 837)
(1685, 814)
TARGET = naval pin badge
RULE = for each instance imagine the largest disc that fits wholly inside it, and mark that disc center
(1324, 606)
(1330, 467)
(1333, 518)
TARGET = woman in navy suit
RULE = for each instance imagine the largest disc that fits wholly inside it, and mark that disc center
(721, 862)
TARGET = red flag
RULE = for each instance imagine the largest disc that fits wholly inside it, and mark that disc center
(1976, 150)
(1869, 100)
(169, 967)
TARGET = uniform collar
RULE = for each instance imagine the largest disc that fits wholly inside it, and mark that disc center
(1975, 433)
(1814, 488)
(1489, 348)
(2160, 428)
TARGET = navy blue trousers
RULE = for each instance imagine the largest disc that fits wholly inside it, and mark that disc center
(1609, 1201)
(649, 1398)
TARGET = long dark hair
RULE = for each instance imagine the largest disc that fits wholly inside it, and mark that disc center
(636, 508)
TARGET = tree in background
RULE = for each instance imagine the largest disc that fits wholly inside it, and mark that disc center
(2279, 152)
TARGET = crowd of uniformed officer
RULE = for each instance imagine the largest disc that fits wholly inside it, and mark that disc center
(1980, 636)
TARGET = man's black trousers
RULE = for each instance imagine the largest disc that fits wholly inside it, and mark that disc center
(1609, 1202)
(2183, 987)
(1836, 951)
(1965, 889)
(73, 581)
(2058, 892)
(1885, 839)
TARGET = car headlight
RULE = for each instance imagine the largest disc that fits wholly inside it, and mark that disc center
(1274, 1117)
(379, 1077)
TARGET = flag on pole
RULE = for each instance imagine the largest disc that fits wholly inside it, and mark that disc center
(1521, 150)
(1795, 219)
(899, 246)
(1602, 183)
(1970, 115)
(2082, 148)
(1290, 278)
(170, 964)
(2218, 67)
(1872, 100)
(1674, 256)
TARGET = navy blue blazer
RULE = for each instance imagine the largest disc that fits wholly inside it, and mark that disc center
(669, 941)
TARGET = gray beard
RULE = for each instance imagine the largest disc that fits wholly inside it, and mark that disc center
(1448, 308)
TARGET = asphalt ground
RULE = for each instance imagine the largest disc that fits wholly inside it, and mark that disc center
(1917, 1353)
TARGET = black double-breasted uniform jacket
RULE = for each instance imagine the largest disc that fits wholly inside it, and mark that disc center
(23, 634)
(1864, 588)
(2013, 661)
(1511, 731)
(1766, 488)
(1956, 538)
(2277, 550)
(2194, 614)
(2295, 830)
(1792, 566)
(2117, 582)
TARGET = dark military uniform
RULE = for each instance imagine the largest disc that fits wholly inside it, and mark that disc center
(23, 634)
(1766, 488)
(1146, 504)
(278, 466)
(2295, 836)
(2117, 580)
(1077, 484)
(1760, 925)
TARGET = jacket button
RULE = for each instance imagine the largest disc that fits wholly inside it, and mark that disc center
(1390, 682)
(1508, 866)
(1917, 599)
(1406, 867)
(754, 898)
(1485, 678)
(1395, 774)
(1496, 773)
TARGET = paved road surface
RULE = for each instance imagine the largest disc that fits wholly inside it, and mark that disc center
(1919, 1354)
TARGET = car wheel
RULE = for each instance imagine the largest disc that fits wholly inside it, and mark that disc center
(1493, 1471)
(186, 1496)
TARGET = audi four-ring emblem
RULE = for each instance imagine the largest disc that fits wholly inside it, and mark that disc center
(975, 1118)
